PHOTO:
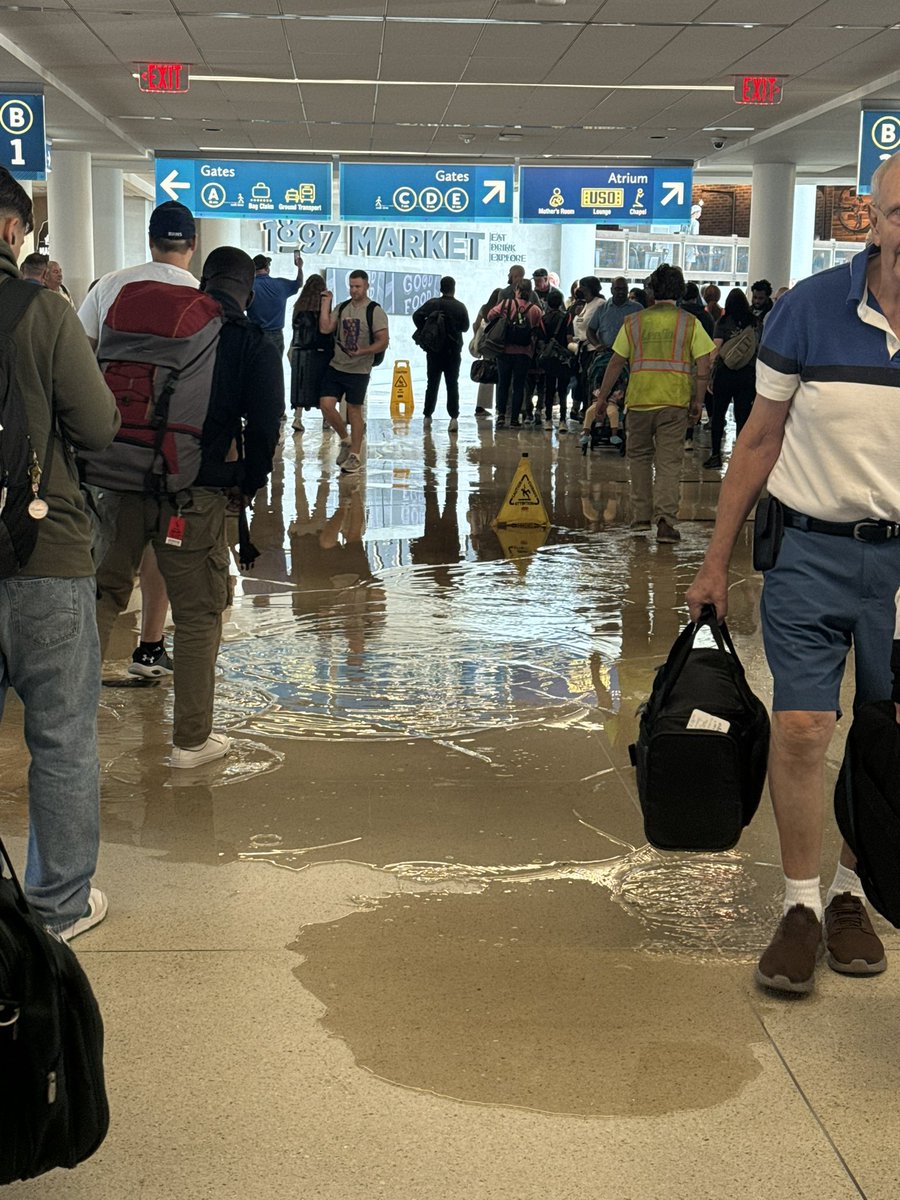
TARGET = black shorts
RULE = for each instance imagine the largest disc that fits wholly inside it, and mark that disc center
(344, 386)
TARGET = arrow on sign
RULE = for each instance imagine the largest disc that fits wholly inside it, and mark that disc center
(676, 192)
(496, 187)
(171, 188)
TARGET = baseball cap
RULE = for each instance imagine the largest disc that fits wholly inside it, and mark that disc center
(172, 220)
(540, 273)
(260, 262)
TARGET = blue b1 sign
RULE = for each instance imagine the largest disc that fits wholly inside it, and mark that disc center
(605, 195)
(24, 147)
(213, 187)
(414, 192)
(879, 140)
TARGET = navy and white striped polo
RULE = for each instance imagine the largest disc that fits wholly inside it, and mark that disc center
(829, 351)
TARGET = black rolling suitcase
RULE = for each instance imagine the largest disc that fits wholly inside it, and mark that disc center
(53, 1108)
(702, 746)
(867, 803)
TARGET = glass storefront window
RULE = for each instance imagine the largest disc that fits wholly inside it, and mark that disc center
(742, 263)
(610, 255)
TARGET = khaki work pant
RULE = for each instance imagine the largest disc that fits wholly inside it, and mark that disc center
(655, 439)
(196, 575)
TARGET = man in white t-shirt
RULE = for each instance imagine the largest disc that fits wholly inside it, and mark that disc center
(173, 239)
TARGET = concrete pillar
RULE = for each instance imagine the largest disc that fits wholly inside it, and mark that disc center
(28, 245)
(803, 232)
(109, 219)
(69, 207)
(213, 232)
(577, 251)
(771, 219)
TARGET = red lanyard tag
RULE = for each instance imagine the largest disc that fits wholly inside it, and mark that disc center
(175, 532)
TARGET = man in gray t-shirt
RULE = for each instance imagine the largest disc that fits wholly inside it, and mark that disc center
(347, 376)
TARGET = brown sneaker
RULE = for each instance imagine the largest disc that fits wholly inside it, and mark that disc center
(666, 532)
(789, 962)
(854, 948)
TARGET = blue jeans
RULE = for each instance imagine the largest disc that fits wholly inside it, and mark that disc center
(50, 656)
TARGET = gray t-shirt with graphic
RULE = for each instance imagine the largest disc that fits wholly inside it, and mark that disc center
(353, 332)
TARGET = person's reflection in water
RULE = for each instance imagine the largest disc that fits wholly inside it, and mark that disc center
(267, 535)
(439, 544)
(335, 583)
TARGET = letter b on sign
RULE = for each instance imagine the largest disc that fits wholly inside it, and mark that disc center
(886, 133)
(16, 117)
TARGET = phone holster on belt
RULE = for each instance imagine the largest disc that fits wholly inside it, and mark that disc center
(768, 531)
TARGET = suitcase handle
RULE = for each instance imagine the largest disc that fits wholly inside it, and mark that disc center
(21, 902)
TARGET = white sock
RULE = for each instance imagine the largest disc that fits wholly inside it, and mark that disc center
(845, 880)
(803, 891)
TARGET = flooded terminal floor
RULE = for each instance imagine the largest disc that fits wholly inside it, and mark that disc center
(408, 940)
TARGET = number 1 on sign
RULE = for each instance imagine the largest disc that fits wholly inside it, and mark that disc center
(17, 159)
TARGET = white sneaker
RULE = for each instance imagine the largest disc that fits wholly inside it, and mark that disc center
(298, 426)
(96, 910)
(216, 746)
(351, 464)
(454, 425)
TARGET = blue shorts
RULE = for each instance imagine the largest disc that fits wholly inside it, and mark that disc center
(824, 594)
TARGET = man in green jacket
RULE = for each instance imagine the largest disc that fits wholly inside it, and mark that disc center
(49, 650)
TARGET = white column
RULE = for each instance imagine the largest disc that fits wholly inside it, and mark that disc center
(69, 204)
(28, 245)
(803, 232)
(109, 219)
(577, 251)
(771, 218)
(213, 232)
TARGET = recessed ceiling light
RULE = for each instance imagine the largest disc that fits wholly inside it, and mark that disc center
(212, 128)
(509, 137)
(658, 137)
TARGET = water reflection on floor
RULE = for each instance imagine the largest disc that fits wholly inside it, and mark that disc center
(450, 704)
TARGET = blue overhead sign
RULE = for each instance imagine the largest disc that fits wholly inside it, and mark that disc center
(213, 187)
(413, 192)
(23, 147)
(605, 195)
(879, 140)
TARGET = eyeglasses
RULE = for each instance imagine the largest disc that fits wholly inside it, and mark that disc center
(892, 215)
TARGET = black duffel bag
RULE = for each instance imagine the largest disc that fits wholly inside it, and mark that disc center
(702, 746)
(483, 370)
(867, 803)
(53, 1107)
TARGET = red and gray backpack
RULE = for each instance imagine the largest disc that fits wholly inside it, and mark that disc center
(157, 351)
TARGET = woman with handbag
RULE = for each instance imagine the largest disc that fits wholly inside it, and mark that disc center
(522, 320)
(483, 371)
(556, 361)
(735, 383)
(310, 351)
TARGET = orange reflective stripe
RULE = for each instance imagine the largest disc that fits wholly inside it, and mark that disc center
(679, 362)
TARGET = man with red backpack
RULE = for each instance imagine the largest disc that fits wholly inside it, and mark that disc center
(196, 385)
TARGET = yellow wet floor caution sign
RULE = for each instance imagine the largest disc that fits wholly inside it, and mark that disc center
(520, 543)
(401, 391)
(523, 504)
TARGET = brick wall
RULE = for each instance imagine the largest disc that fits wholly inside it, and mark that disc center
(840, 214)
(726, 209)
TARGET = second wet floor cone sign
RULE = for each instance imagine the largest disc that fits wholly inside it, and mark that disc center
(523, 504)
(401, 391)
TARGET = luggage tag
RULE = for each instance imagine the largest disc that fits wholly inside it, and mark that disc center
(175, 531)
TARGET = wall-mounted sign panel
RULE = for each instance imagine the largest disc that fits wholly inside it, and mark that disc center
(879, 140)
(251, 189)
(412, 192)
(23, 147)
(605, 195)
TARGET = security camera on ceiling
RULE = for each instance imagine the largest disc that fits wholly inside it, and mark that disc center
(719, 143)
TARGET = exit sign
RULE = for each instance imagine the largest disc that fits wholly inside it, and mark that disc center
(758, 89)
(164, 77)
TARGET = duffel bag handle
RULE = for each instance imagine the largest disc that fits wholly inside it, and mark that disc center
(21, 902)
(684, 644)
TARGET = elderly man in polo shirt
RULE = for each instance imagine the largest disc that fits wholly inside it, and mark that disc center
(830, 355)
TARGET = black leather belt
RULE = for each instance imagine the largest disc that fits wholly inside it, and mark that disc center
(868, 530)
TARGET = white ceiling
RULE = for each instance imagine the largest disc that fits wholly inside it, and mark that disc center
(606, 79)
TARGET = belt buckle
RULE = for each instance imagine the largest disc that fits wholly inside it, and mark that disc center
(858, 528)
